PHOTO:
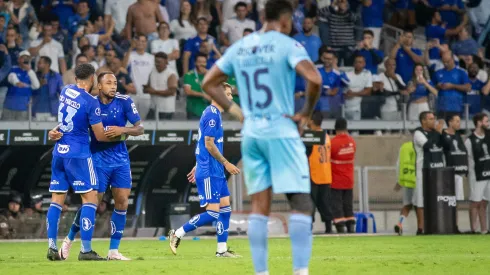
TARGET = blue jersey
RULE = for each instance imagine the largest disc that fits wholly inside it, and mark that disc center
(451, 100)
(264, 67)
(78, 110)
(209, 126)
(117, 113)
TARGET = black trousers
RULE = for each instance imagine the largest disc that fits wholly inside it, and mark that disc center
(321, 195)
(342, 204)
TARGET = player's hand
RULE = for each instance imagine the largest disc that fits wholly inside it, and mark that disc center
(54, 134)
(232, 169)
(114, 131)
(21, 85)
(301, 121)
(397, 187)
(191, 177)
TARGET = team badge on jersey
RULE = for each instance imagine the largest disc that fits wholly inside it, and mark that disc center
(113, 228)
(194, 219)
(220, 229)
(86, 224)
(212, 123)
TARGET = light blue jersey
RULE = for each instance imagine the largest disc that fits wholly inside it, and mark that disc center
(264, 67)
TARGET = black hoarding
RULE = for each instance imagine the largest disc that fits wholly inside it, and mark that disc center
(27, 137)
(172, 137)
(145, 139)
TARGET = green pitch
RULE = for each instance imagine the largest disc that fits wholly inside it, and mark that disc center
(466, 254)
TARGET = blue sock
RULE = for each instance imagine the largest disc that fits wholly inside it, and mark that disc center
(223, 224)
(118, 221)
(199, 220)
(301, 239)
(257, 236)
(75, 226)
(87, 222)
(52, 220)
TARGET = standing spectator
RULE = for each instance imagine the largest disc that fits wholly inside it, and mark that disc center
(63, 9)
(46, 98)
(404, 15)
(437, 30)
(22, 15)
(124, 83)
(343, 152)
(371, 54)
(311, 42)
(69, 76)
(23, 80)
(486, 98)
(95, 33)
(474, 97)
(451, 11)
(226, 8)
(89, 52)
(80, 18)
(393, 85)
(173, 8)
(360, 85)
(13, 48)
(372, 19)
(117, 10)
(47, 46)
(452, 83)
(465, 45)
(197, 100)
(330, 85)
(5, 69)
(192, 45)
(167, 45)
(162, 88)
(204, 9)
(298, 16)
(183, 27)
(405, 54)
(143, 17)
(232, 29)
(419, 89)
(405, 174)
(60, 34)
(141, 64)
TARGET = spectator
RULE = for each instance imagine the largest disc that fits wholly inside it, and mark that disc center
(419, 89)
(3, 29)
(479, 12)
(372, 19)
(371, 54)
(474, 97)
(4, 11)
(99, 56)
(467, 60)
(405, 54)
(13, 48)
(12, 219)
(75, 22)
(206, 49)
(47, 46)
(204, 9)
(69, 76)
(298, 17)
(465, 45)
(103, 220)
(343, 152)
(93, 32)
(162, 87)
(452, 83)
(331, 85)
(4, 71)
(89, 52)
(197, 100)
(437, 30)
(116, 10)
(173, 8)
(22, 15)
(45, 99)
(78, 42)
(232, 29)
(143, 17)
(167, 45)
(124, 83)
(163, 11)
(62, 9)
(23, 80)
(183, 28)
(141, 64)
(451, 11)
(311, 42)
(109, 55)
(360, 84)
(60, 34)
(192, 45)
(404, 15)
(226, 8)
(393, 85)
(486, 98)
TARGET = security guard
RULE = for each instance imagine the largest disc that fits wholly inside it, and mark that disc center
(34, 218)
(406, 181)
(12, 219)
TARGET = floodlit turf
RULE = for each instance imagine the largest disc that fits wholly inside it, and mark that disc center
(331, 255)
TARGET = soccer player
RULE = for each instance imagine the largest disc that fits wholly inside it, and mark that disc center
(209, 176)
(72, 160)
(111, 160)
(274, 157)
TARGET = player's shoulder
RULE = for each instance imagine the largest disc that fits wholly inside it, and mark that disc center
(122, 97)
(211, 111)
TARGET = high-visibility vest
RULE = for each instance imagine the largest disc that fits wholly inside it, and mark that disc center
(406, 173)
(320, 165)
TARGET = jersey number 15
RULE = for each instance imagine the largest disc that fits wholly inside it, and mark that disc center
(258, 87)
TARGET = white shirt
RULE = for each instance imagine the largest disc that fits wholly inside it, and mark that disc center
(93, 39)
(53, 50)
(389, 85)
(357, 83)
(141, 67)
(233, 28)
(180, 32)
(118, 9)
(228, 7)
(419, 139)
(167, 46)
(159, 82)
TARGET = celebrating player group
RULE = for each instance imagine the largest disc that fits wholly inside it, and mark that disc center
(265, 64)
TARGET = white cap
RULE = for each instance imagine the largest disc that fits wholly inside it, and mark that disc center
(25, 52)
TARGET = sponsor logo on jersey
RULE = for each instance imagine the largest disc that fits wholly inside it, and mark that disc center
(63, 149)
(86, 224)
(72, 93)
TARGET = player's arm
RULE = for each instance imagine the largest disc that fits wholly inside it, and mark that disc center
(114, 131)
(309, 72)
(214, 151)
(98, 130)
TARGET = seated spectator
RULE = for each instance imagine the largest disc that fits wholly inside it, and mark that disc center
(393, 85)
(419, 89)
(205, 9)
(191, 48)
(76, 21)
(167, 45)
(162, 88)
(116, 10)
(226, 8)
(23, 81)
(46, 98)
(183, 27)
(89, 52)
(232, 29)
(124, 83)
(13, 48)
(311, 42)
(69, 76)
(372, 55)
(360, 85)
(473, 98)
(197, 99)
(22, 16)
(143, 17)
(436, 30)
(47, 46)
(451, 11)
(465, 45)
(372, 19)
(330, 85)
(404, 53)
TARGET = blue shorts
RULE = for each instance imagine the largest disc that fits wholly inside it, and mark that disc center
(277, 163)
(211, 190)
(115, 177)
(77, 173)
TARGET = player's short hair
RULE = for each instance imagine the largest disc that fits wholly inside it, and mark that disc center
(478, 117)
(46, 59)
(201, 55)
(274, 9)
(84, 71)
(240, 4)
(450, 118)
(423, 115)
(368, 32)
(161, 55)
(102, 74)
(227, 86)
(317, 118)
(340, 124)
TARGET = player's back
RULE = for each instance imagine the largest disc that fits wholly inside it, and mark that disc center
(77, 111)
(264, 67)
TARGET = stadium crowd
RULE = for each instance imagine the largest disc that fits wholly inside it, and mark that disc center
(160, 51)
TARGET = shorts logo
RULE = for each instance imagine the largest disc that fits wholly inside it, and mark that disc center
(47, 224)
(86, 224)
(220, 229)
(212, 123)
(78, 183)
(194, 219)
(54, 182)
(63, 149)
(113, 228)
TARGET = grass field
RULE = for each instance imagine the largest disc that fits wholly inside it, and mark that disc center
(331, 255)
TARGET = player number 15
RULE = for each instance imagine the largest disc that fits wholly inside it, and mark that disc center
(259, 87)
